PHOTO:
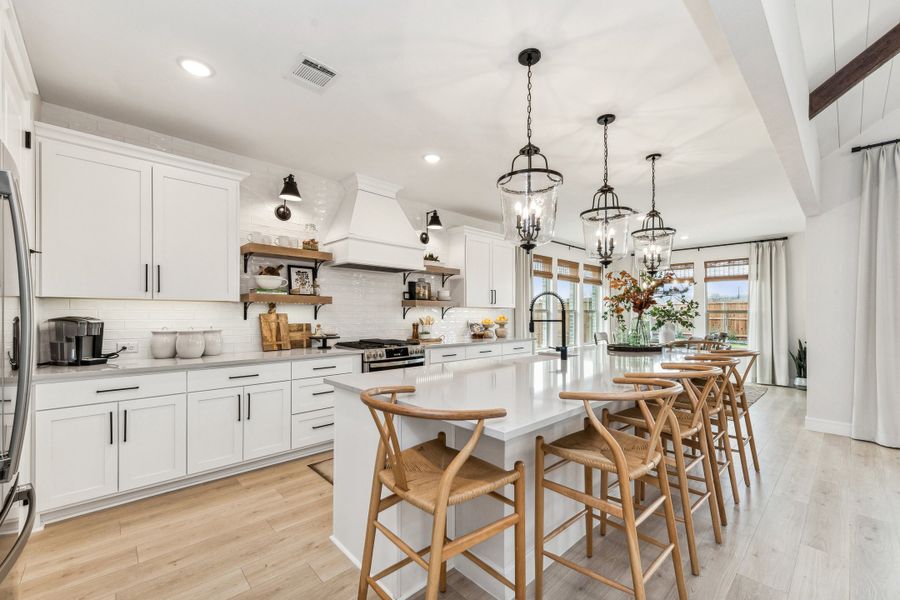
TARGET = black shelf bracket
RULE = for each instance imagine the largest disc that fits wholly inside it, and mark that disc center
(406, 310)
(315, 269)
(406, 275)
(246, 306)
(444, 311)
(316, 308)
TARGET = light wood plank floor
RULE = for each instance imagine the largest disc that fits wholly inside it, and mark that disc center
(822, 521)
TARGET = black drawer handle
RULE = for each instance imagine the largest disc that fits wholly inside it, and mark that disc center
(243, 376)
(321, 368)
(110, 428)
(323, 426)
(518, 347)
(320, 393)
(239, 407)
(125, 435)
(124, 389)
(447, 355)
(485, 351)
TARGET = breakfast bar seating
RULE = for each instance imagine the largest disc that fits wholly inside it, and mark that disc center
(631, 459)
(738, 409)
(433, 477)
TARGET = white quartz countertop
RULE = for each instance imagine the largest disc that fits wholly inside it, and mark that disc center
(477, 342)
(527, 387)
(124, 366)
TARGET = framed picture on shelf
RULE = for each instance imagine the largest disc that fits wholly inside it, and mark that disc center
(300, 280)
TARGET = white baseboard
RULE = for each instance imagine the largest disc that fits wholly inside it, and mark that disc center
(826, 426)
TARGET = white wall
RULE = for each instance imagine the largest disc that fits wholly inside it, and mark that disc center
(366, 304)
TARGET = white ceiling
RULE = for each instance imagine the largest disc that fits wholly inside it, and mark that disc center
(418, 77)
(834, 32)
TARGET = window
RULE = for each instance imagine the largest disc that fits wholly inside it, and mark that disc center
(591, 302)
(728, 298)
(682, 285)
(541, 281)
(567, 280)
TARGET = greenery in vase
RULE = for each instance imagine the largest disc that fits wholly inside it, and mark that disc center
(800, 359)
(630, 294)
(431, 257)
(681, 313)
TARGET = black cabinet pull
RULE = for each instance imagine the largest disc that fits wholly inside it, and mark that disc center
(158, 279)
(485, 351)
(323, 426)
(248, 406)
(447, 355)
(243, 376)
(320, 393)
(122, 389)
(146, 277)
(110, 428)
(518, 347)
(321, 368)
(125, 429)
(239, 407)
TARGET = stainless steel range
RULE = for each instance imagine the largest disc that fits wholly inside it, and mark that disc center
(386, 354)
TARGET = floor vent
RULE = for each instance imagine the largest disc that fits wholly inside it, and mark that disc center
(311, 73)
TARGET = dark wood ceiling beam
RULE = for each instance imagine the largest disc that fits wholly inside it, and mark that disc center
(868, 61)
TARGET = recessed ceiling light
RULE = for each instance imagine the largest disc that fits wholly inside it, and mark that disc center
(432, 159)
(195, 67)
(685, 236)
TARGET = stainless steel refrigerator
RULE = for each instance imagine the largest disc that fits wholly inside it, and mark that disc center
(17, 335)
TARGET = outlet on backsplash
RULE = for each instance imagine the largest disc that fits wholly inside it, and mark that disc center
(130, 347)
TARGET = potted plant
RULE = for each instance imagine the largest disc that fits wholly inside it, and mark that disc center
(799, 365)
(671, 314)
(636, 296)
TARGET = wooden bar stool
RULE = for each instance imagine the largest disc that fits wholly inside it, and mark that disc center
(433, 477)
(715, 423)
(632, 459)
(683, 429)
(739, 409)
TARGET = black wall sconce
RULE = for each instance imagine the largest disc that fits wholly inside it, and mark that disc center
(431, 222)
(288, 192)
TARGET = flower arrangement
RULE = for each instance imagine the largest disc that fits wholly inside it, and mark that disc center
(681, 313)
(630, 294)
(501, 320)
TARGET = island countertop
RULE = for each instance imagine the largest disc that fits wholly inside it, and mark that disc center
(527, 387)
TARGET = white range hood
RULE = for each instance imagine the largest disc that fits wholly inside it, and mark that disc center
(370, 231)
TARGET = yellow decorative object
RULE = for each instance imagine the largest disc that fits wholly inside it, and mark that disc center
(502, 320)
(487, 322)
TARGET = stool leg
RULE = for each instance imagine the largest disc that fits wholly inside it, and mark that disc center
(673, 533)
(707, 436)
(365, 569)
(749, 425)
(685, 502)
(442, 583)
(604, 495)
(588, 517)
(436, 554)
(539, 518)
(519, 488)
(631, 537)
(739, 436)
(711, 489)
(729, 454)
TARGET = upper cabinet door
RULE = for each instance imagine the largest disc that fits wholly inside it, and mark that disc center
(152, 440)
(96, 212)
(195, 235)
(503, 274)
(478, 272)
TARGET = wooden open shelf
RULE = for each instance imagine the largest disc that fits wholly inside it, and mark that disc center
(444, 305)
(445, 273)
(316, 301)
(294, 254)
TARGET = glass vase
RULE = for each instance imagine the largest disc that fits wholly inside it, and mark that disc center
(639, 335)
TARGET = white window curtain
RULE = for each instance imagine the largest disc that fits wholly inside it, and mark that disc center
(876, 376)
(768, 331)
(523, 292)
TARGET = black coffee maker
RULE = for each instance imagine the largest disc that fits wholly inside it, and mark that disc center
(76, 341)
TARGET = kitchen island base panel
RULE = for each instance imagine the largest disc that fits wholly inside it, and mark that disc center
(356, 436)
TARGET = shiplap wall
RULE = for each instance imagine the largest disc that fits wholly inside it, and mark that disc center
(366, 304)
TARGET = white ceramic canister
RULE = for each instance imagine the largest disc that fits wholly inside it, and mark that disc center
(213, 344)
(190, 343)
(162, 344)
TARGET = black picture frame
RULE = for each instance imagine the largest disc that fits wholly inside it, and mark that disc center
(301, 278)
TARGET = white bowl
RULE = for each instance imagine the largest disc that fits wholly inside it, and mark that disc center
(270, 282)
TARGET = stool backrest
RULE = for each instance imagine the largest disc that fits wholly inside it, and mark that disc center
(724, 383)
(740, 378)
(384, 410)
(698, 381)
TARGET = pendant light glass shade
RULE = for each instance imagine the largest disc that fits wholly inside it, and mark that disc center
(605, 224)
(653, 241)
(529, 191)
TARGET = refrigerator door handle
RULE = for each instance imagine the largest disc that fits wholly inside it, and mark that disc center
(9, 191)
(23, 493)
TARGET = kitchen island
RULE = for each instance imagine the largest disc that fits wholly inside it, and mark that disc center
(528, 388)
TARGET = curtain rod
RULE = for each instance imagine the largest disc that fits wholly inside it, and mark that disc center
(778, 239)
(858, 148)
(569, 246)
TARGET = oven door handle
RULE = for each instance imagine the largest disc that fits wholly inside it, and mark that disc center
(390, 364)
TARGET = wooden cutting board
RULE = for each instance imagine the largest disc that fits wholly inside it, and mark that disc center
(273, 328)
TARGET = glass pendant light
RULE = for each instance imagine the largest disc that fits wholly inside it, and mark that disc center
(528, 195)
(653, 241)
(605, 224)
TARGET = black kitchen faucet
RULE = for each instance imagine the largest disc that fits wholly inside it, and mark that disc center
(563, 351)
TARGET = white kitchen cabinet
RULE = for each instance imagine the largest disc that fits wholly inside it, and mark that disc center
(489, 269)
(96, 223)
(267, 419)
(152, 441)
(195, 235)
(215, 429)
(121, 221)
(77, 454)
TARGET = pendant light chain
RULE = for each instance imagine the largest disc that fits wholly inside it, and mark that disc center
(653, 184)
(528, 97)
(605, 154)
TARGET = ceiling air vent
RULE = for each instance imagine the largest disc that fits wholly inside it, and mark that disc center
(311, 73)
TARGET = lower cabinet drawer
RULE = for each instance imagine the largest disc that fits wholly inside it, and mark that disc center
(516, 348)
(483, 351)
(226, 377)
(308, 429)
(306, 398)
(448, 355)
(107, 389)
(323, 367)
